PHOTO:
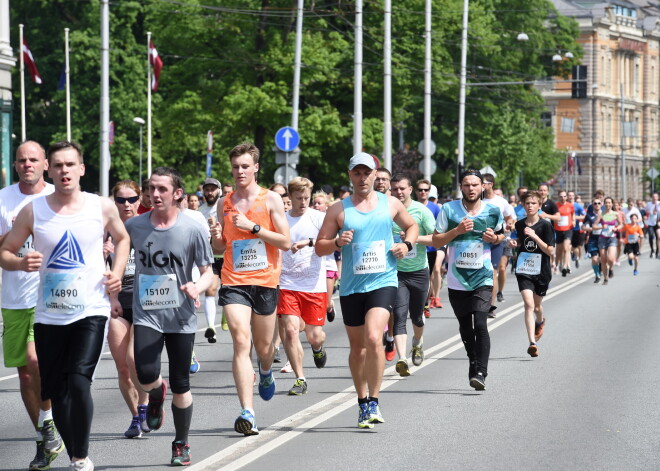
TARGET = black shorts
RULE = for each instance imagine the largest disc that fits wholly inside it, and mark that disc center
(431, 257)
(468, 302)
(354, 307)
(262, 300)
(127, 313)
(66, 349)
(561, 236)
(631, 249)
(578, 238)
(496, 252)
(216, 266)
(540, 289)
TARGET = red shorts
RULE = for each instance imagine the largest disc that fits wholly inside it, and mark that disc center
(309, 306)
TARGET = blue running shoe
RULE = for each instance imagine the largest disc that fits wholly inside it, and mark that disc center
(246, 423)
(266, 385)
(194, 364)
(635, 272)
(134, 430)
(375, 417)
(142, 414)
(363, 417)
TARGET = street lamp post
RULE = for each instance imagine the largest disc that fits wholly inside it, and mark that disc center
(140, 122)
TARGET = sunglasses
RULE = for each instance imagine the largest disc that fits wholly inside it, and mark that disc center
(122, 200)
(597, 202)
(423, 189)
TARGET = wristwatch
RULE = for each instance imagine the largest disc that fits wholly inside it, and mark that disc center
(311, 242)
(408, 244)
(256, 228)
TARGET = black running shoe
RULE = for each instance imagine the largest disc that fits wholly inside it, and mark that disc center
(320, 357)
(155, 413)
(478, 382)
(181, 455)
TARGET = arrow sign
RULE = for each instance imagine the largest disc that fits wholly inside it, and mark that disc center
(287, 139)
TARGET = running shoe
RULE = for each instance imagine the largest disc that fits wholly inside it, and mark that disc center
(478, 381)
(180, 453)
(564, 272)
(246, 423)
(597, 280)
(635, 272)
(389, 350)
(472, 371)
(417, 354)
(82, 465)
(320, 357)
(224, 324)
(194, 364)
(610, 274)
(427, 311)
(155, 412)
(287, 368)
(651, 254)
(577, 262)
(330, 313)
(533, 350)
(491, 312)
(538, 329)
(500, 297)
(266, 385)
(402, 368)
(604, 282)
(134, 430)
(375, 417)
(53, 443)
(438, 304)
(210, 334)
(299, 388)
(630, 262)
(42, 460)
(363, 417)
(142, 413)
(277, 358)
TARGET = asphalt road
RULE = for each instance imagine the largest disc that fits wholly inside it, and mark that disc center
(587, 402)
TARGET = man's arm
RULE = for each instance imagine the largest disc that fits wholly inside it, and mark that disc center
(217, 242)
(327, 241)
(192, 290)
(407, 224)
(278, 238)
(14, 240)
(121, 241)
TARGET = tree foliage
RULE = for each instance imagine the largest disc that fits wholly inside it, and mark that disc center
(230, 70)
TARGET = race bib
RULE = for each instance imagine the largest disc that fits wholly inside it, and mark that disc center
(563, 221)
(607, 231)
(633, 238)
(469, 254)
(26, 248)
(249, 255)
(369, 257)
(63, 293)
(528, 263)
(130, 264)
(158, 292)
(410, 254)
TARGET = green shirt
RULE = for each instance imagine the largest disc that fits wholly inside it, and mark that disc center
(415, 260)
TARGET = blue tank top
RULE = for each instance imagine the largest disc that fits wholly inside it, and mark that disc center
(367, 263)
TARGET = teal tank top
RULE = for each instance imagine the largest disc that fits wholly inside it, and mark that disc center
(367, 263)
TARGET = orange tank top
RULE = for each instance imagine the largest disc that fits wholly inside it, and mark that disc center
(248, 259)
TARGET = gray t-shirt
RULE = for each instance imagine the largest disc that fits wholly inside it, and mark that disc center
(164, 260)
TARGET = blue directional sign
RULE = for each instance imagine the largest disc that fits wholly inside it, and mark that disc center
(287, 139)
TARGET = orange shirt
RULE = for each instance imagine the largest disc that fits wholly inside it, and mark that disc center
(632, 233)
(248, 259)
(566, 212)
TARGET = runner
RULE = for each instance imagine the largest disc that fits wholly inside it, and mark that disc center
(610, 222)
(533, 271)
(549, 211)
(435, 257)
(145, 199)
(209, 209)
(469, 227)
(413, 276)
(633, 234)
(302, 285)
(68, 228)
(19, 298)
(652, 211)
(592, 219)
(369, 283)
(321, 202)
(382, 183)
(167, 244)
(578, 236)
(251, 231)
(564, 232)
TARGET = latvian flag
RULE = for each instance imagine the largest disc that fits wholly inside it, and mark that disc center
(156, 64)
(31, 65)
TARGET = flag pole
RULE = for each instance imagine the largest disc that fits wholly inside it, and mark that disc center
(148, 105)
(22, 62)
(68, 94)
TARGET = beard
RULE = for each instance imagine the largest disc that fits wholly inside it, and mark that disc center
(212, 198)
(471, 200)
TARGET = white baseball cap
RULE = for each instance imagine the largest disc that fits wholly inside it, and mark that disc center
(362, 158)
(433, 193)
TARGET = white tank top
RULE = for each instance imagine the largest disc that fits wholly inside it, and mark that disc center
(71, 274)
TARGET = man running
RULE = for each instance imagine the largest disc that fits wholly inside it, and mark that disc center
(413, 276)
(564, 232)
(435, 257)
(369, 283)
(68, 228)
(251, 231)
(19, 298)
(470, 227)
(383, 180)
(303, 289)
(167, 245)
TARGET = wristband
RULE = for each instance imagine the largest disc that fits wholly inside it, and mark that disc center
(339, 246)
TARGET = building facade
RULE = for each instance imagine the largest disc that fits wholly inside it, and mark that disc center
(611, 132)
